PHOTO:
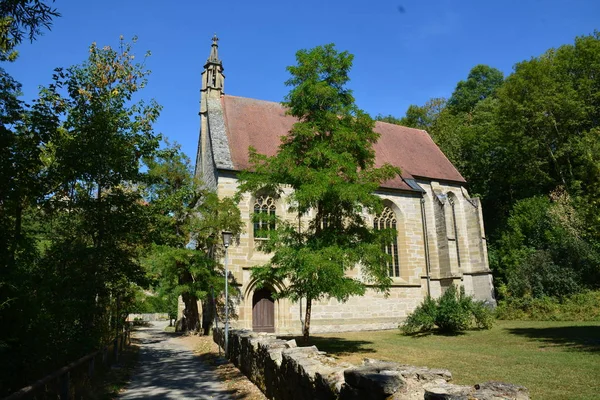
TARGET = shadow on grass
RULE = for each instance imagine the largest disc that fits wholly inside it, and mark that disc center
(335, 346)
(577, 338)
(435, 332)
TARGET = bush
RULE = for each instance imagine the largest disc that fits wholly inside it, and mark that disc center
(579, 307)
(546, 250)
(482, 315)
(422, 319)
(452, 312)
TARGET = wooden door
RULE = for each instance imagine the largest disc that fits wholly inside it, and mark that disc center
(263, 311)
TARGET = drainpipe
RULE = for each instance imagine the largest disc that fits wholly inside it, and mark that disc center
(426, 243)
(455, 232)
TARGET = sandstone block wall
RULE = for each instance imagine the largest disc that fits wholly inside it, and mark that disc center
(286, 372)
(372, 311)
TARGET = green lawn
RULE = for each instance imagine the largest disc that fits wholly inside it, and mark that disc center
(555, 360)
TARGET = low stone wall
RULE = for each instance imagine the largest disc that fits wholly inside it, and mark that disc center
(284, 371)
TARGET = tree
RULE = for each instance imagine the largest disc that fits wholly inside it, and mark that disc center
(518, 141)
(187, 225)
(482, 82)
(544, 251)
(74, 212)
(390, 119)
(327, 159)
(423, 117)
(19, 18)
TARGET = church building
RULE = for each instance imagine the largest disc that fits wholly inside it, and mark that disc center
(440, 235)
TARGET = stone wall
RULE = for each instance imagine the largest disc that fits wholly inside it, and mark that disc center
(374, 311)
(284, 371)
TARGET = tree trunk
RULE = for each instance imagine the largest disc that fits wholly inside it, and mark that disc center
(207, 314)
(191, 319)
(306, 330)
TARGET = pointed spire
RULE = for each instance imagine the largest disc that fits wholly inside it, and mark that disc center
(214, 51)
(213, 78)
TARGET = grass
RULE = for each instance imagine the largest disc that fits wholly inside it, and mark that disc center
(555, 360)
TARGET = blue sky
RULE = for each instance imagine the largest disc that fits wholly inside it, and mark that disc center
(405, 51)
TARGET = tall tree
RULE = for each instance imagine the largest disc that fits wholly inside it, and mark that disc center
(423, 117)
(187, 225)
(482, 82)
(76, 212)
(327, 159)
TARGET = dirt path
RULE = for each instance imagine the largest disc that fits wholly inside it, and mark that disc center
(168, 369)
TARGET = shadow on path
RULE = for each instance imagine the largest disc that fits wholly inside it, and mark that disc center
(577, 338)
(167, 369)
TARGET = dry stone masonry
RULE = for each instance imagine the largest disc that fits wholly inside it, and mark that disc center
(284, 371)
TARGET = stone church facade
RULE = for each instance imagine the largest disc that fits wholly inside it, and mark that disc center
(441, 239)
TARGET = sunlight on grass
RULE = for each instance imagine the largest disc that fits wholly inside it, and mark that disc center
(555, 360)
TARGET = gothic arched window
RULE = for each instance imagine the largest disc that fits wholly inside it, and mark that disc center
(264, 216)
(387, 220)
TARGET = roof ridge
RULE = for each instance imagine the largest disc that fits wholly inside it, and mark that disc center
(253, 99)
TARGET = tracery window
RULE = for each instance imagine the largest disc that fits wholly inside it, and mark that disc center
(264, 216)
(387, 220)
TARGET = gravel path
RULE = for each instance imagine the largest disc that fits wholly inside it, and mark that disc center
(167, 369)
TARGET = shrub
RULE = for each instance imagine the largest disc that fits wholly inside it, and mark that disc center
(482, 315)
(452, 312)
(579, 307)
(422, 319)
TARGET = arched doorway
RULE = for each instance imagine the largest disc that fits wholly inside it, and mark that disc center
(263, 311)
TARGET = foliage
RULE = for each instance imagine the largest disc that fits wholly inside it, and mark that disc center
(186, 226)
(73, 219)
(423, 117)
(452, 312)
(544, 251)
(153, 303)
(482, 82)
(19, 18)
(327, 160)
(422, 319)
(390, 119)
(529, 147)
(483, 316)
(584, 306)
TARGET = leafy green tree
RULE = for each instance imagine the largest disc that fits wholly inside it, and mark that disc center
(19, 18)
(390, 119)
(545, 252)
(327, 159)
(187, 225)
(423, 117)
(518, 142)
(482, 82)
(74, 212)
(94, 167)
(549, 108)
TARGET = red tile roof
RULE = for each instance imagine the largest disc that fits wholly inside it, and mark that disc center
(260, 124)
